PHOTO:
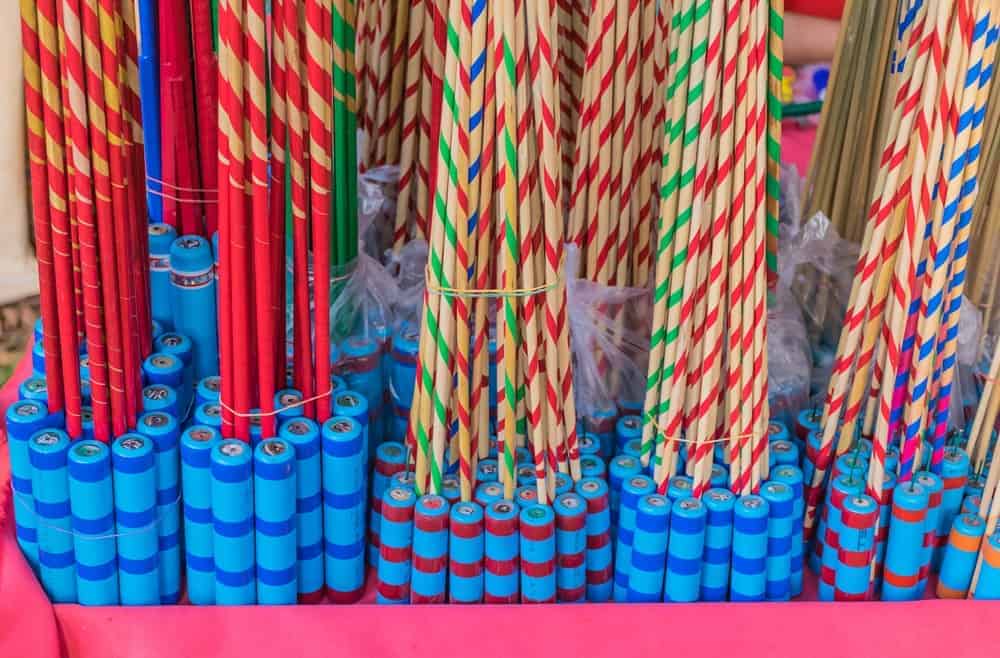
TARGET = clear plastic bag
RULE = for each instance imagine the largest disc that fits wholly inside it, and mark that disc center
(789, 358)
(378, 191)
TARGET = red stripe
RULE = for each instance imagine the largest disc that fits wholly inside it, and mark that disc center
(574, 595)
(600, 576)
(828, 575)
(571, 561)
(909, 516)
(394, 592)
(426, 523)
(843, 596)
(858, 521)
(422, 599)
(429, 564)
(397, 514)
(395, 554)
(900, 581)
(465, 569)
(598, 541)
(466, 530)
(352, 596)
(571, 523)
(501, 527)
(312, 598)
(537, 533)
(538, 569)
(502, 567)
(854, 558)
(525, 599)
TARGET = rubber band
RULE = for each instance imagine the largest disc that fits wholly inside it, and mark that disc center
(179, 188)
(177, 199)
(151, 527)
(490, 293)
(266, 414)
(680, 439)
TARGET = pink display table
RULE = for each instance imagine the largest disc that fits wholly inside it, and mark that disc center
(30, 627)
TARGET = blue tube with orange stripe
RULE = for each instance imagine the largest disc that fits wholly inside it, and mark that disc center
(988, 586)
(960, 556)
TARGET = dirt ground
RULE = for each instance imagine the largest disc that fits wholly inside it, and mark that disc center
(17, 322)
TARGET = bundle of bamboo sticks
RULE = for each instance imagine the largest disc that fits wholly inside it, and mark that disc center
(85, 151)
(708, 364)
(896, 358)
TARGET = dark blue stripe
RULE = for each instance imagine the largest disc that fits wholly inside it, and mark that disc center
(138, 567)
(688, 526)
(351, 448)
(648, 561)
(25, 534)
(306, 450)
(21, 485)
(309, 503)
(90, 471)
(310, 552)
(96, 572)
(720, 519)
(234, 578)
(625, 536)
(56, 560)
(781, 509)
(713, 593)
(135, 519)
(717, 555)
(48, 461)
(797, 563)
(779, 546)
(138, 464)
(278, 577)
(99, 526)
(343, 501)
(170, 541)
(652, 524)
(345, 551)
(274, 528)
(777, 589)
(167, 496)
(232, 473)
(237, 529)
(749, 566)
(272, 471)
(757, 526)
(200, 457)
(683, 566)
(199, 562)
(169, 599)
(58, 510)
(165, 442)
(197, 514)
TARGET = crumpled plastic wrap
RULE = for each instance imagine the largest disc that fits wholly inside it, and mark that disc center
(789, 357)
(378, 190)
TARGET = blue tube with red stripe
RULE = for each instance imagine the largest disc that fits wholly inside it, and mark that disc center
(538, 554)
(232, 518)
(390, 458)
(344, 507)
(857, 545)
(600, 562)
(467, 547)
(955, 476)
(935, 492)
(904, 552)
(396, 550)
(501, 564)
(571, 548)
(429, 578)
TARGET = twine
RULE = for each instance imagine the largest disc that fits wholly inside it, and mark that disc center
(493, 293)
(266, 414)
(680, 439)
(20, 498)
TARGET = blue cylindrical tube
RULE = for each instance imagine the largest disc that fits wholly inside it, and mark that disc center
(344, 508)
(390, 458)
(429, 579)
(589, 445)
(857, 544)
(601, 424)
(988, 586)
(719, 506)
(197, 443)
(808, 421)
(487, 471)
(783, 452)
(685, 552)
(884, 518)
(748, 581)
(48, 450)
(402, 377)
(87, 422)
(232, 518)
(193, 300)
(904, 552)
(626, 429)
(792, 476)
(632, 448)
(466, 553)
(778, 431)
(592, 466)
(526, 475)
(451, 488)
(571, 548)
(133, 458)
(38, 359)
(164, 431)
(538, 554)
(680, 487)
(600, 562)
(955, 476)
(720, 476)
(632, 492)
(361, 366)
(971, 503)
(841, 487)
(160, 397)
(851, 463)
(181, 347)
(564, 484)
(304, 436)
(161, 236)
(274, 522)
(208, 389)
(960, 556)
(934, 487)
(487, 493)
(288, 402)
(501, 564)
(649, 549)
(620, 470)
(813, 445)
(780, 529)
(166, 369)
(24, 418)
(355, 405)
(33, 388)
(92, 504)
(396, 550)
(209, 414)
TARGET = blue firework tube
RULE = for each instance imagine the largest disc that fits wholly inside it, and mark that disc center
(208, 389)
(304, 436)
(181, 347)
(904, 552)
(621, 468)
(33, 388)
(501, 564)
(156, 330)
(24, 418)
(627, 429)
(193, 300)
(197, 443)
(720, 504)
(361, 367)
(852, 463)
(538, 554)
(571, 548)
(686, 550)
(289, 401)
(857, 544)
(783, 452)
(92, 505)
(632, 492)
(633, 448)
(884, 519)
(396, 550)
(407, 479)
(232, 518)
(841, 487)
(748, 581)
(166, 369)
(592, 466)
(48, 450)
(209, 414)
(390, 458)
(403, 366)
(488, 493)
(162, 398)
(778, 431)
(649, 549)
(38, 330)
(680, 487)
(164, 431)
(524, 456)
(344, 508)
(356, 405)
(38, 359)
(602, 426)
(133, 460)
(492, 347)
(812, 443)
(934, 487)
(780, 530)
(487, 471)
(589, 445)
(988, 587)
(600, 562)
(629, 406)
(955, 476)
(971, 503)
(274, 522)
(892, 459)
(526, 474)
(564, 484)
(720, 476)
(975, 487)
(429, 578)
(466, 552)
(807, 422)
(161, 237)
(792, 476)
(450, 486)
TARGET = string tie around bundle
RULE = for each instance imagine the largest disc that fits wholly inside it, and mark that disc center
(176, 189)
(667, 438)
(495, 293)
(278, 410)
